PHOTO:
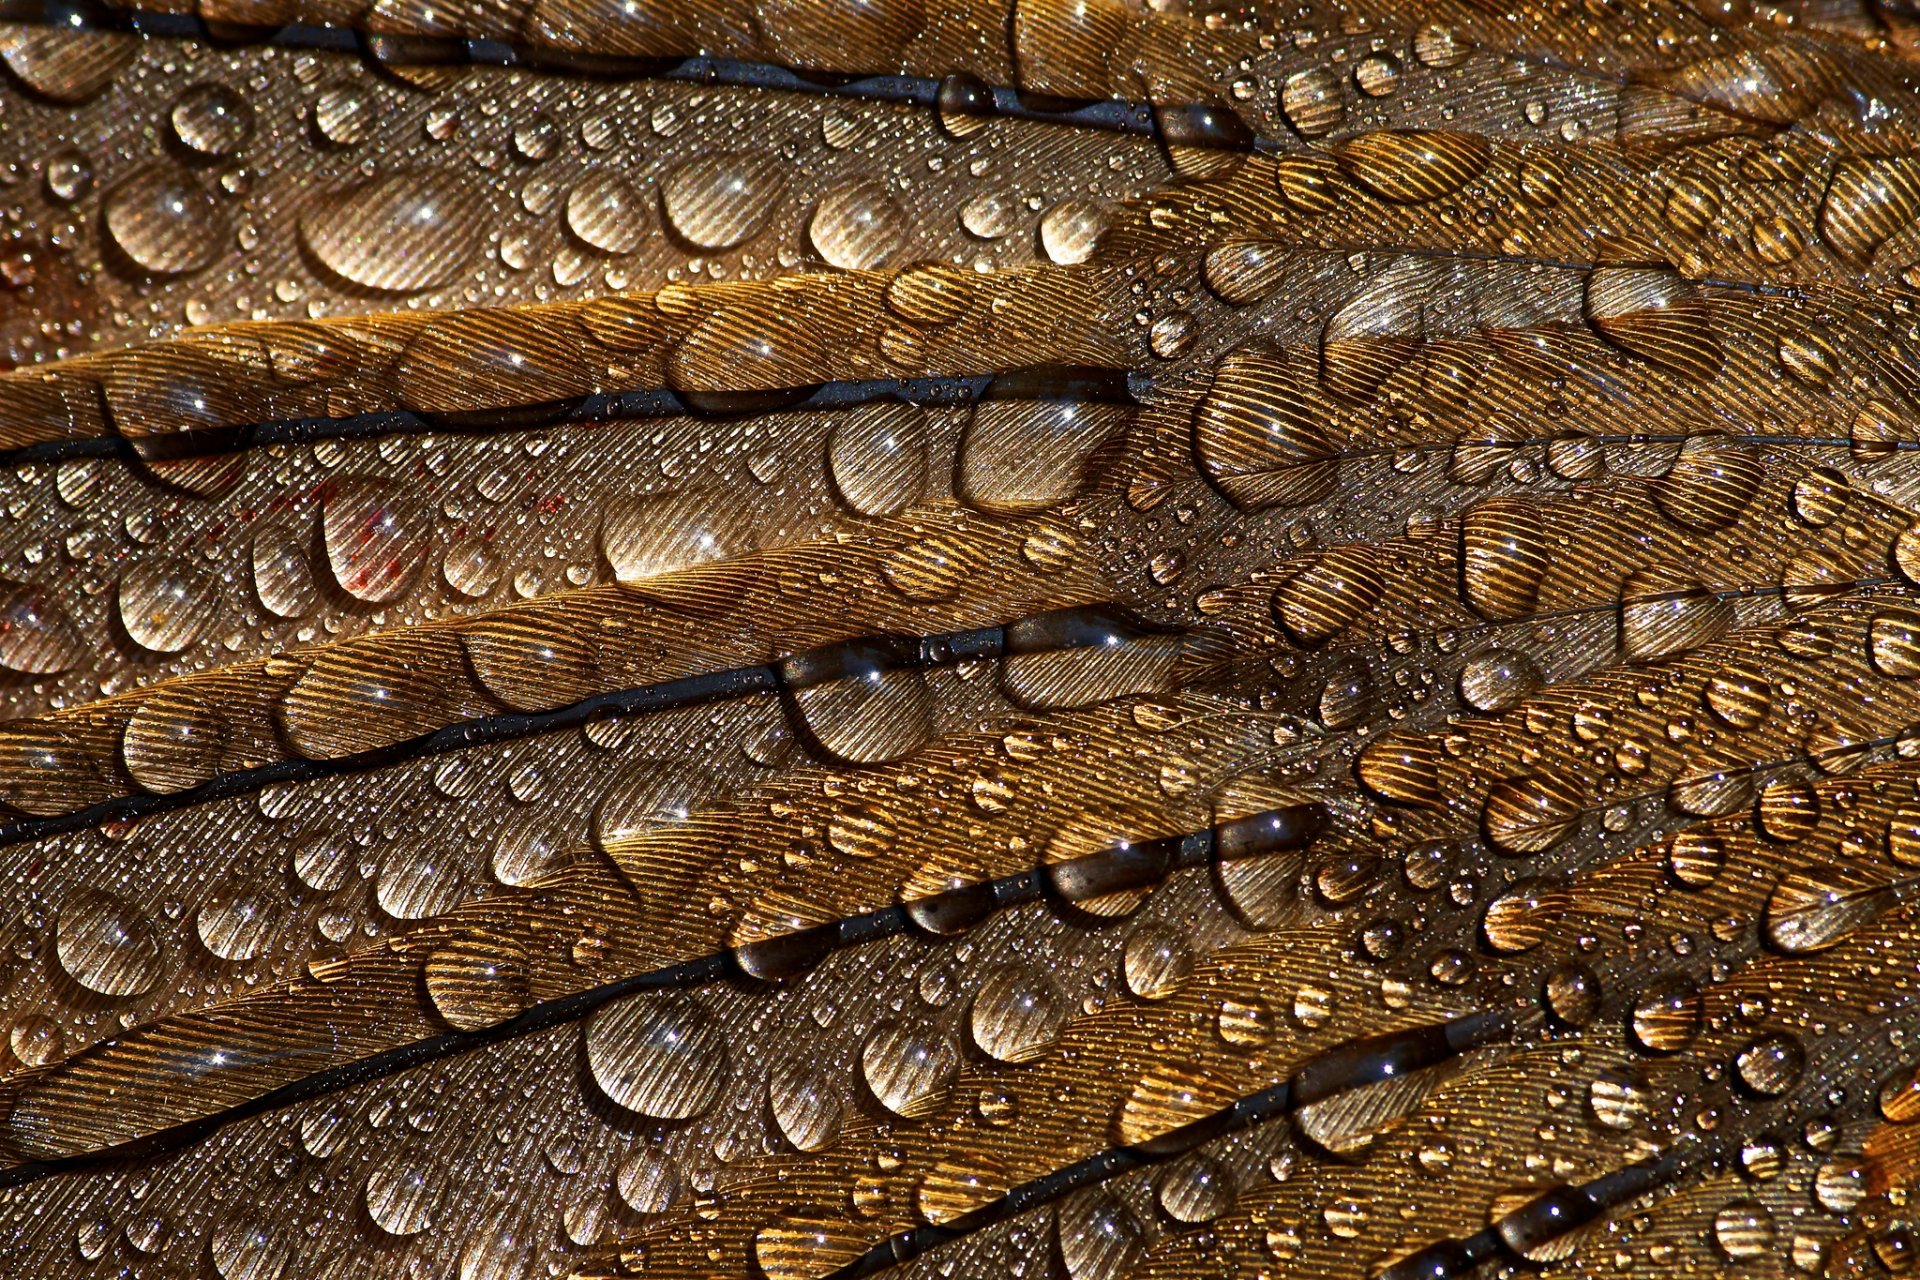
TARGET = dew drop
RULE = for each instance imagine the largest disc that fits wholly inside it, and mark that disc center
(721, 200)
(106, 945)
(657, 1055)
(396, 234)
(164, 222)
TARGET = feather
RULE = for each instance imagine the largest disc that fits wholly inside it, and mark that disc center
(1086, 639)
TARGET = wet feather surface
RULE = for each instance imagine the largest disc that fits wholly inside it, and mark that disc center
(1073, 640)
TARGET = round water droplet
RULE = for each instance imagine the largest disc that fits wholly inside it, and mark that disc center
(478, 981)
(36, 635)
(657, 1055)
(166, 606)
(858, 227)
(397, 234)
(648, 1180)
(243, 1248)
(806, 1245)
(344, 114)
(1098, 1238)
(722, 199)
(608, 213)
(164, 222)
(414, 885)
(1498, 681)
(1197, 1189)
(1668, 1014)
(1313, 102)
(471, 568)
(377, 534)
(807, 1104)
(1744, 1229)
(1070, 231)
(1769, 1065)
(1619, 1100)
(401, 1200)
(910, 1067)
(236, 928)
(1018, 1016)
(642, 538)
(69, 176)
(877, 457)
(1157, 962)
(106, 945)
(212, 119)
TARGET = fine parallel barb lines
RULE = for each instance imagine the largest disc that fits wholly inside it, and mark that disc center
(1062, 639)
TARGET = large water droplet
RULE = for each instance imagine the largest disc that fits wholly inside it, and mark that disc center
(877, 456)
(212, 119)
(657, 1055)
(166, 606)
(1022, 456)
(164, 222)
(722, 199)
(1667, 1014)
(401, 1200)
(377, 536)
(236, 928)
(608, 213)
(910, 1067)
(397, 234)
(807, 1105)
(243, 1248)
(1813, 908)
(858, 227)
(1017, 1016)
(36, 635)
(106, 945)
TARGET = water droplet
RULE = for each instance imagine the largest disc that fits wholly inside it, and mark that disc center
(648, 1180)
(344, 114)
(166, 606)
(1022, 456)
(397, 234)
(1770, 1064)
(1655, 314)
(401, 1200)
(877, 456)
(236, 928)
(212, 119)
(1711, 482)
(645, 537)
(954, 1188)
(806, 1245)
(164, 222)
(1667, 1014)
(608, 213)
(807, 1104)
(477, 981)
(1744, 1229)
(377, 537)
(1867, 202)
(910, 1067)
(1665, 609)
(282, 576)
(858, 227)
(1098, 1237)
(1812, 908)
(1531, 814)
(36, 635)
(1498, 681)
(243, 1249)
(1070, 230)
(1504, 558)
(657, 1055)
(721, 200)
(1018, 1016)
(1197, 1189)
(1312, 102)
(1157, 962)
(106, 945)
(1413, 166)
